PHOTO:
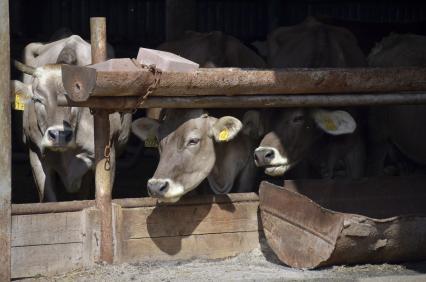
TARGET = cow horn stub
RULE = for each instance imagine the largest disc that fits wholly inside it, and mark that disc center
(24, 68)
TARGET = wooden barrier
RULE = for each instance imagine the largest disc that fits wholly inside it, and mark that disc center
(207, 227)
(5, 140)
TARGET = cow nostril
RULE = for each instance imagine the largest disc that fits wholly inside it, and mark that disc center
(164, 186)
(52, 134)
(256, 158)
(269, 155)
(68, 136)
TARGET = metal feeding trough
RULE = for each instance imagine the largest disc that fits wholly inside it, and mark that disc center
(313, 223)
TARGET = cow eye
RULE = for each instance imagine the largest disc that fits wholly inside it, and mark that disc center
(37, 99)
(193, 141)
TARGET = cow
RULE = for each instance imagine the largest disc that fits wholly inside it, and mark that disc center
(321, 138)
(196, 144)
(397, 126)
(60, 139)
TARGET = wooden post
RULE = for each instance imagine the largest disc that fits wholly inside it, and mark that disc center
(5, 143)
(104, 163)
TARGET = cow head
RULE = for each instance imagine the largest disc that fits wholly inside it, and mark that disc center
(294, 132)
(187, 141)
(56, 125)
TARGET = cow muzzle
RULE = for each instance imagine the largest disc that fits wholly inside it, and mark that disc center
(58, 138)
(270, 158)
(165, 190)
(264, 156)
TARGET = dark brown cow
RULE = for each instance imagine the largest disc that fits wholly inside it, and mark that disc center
(322, 136)
(400, 125)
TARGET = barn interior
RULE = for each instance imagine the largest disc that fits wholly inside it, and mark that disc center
(132, 24)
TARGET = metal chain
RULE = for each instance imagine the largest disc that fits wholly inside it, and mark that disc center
(107, 156)
(151, 88)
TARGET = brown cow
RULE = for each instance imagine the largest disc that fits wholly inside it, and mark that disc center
(194, 144)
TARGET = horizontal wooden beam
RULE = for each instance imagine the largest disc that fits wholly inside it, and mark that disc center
(58, 207)
(234, 81)
(251, 101)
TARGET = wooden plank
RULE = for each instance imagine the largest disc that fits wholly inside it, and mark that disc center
(46, 229)
(56, 207)
(28, 261)
(185, 201)
(207, 246)
(187, 220)
(118, 230)
(91, 230)
(5, 140)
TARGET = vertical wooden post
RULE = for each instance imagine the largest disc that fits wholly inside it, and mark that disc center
(5, 144)
(104, 164)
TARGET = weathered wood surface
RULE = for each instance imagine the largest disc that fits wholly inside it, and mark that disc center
(104, 149)
(58, 207)
(46, 229)
(29, 261)
(54, 243)
(5, 140)
(207, 246)
(202, 227)
(304, 234)
(185, 201)
(186, 220)
(234, 81)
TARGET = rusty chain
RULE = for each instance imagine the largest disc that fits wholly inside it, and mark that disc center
(151, 88)
(107, 156)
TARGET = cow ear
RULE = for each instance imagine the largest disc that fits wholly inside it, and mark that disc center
(20, 92)
(145, 128)
(226, 128)
(334, 122)
(252, 124)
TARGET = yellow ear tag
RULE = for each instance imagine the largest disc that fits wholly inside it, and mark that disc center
(19, 101)
(329, 124)
(151, 142)
(224, 135)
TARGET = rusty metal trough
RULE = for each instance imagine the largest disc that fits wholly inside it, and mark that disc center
(345, 222)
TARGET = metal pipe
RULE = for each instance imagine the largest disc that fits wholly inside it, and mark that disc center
(5, 147)
(98, 39)
(232, 82)
(258, 101)
(103, 176)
